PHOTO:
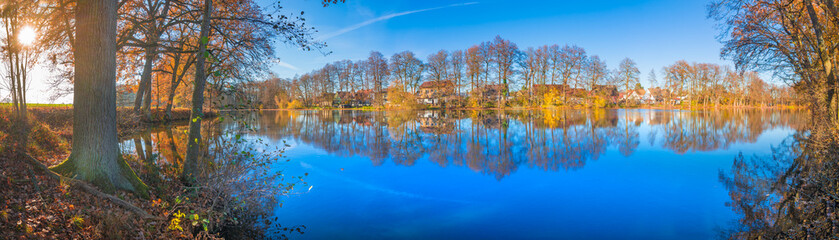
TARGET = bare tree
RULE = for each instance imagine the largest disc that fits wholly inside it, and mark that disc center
(627, 74)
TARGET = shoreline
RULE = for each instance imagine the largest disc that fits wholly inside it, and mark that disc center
(656, 107)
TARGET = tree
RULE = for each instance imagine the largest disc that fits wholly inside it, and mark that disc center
(377, 71)
(22, 44)
(458, 62)
(529, 65)
(596, 72)
(191, 168)
(651, 79)
(95, 156)
(504, 55)
(568, 63)
(627, 74)
(438, 66)
(234, 62)
(152, 19)
(407, 70)
(795, 39)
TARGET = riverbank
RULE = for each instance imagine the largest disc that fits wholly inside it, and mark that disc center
(666, 107)
(33, 204)
(60, 119)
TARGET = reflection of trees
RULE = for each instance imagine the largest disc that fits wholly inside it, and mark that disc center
(685, 131)
(498, 142)
(491, 142)
(791, 194)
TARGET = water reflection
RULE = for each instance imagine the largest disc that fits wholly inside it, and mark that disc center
(436, 155)
(791, 193)
(496, 143)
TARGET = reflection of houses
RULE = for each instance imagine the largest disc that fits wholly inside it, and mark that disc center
(435, 122)
(435, 93)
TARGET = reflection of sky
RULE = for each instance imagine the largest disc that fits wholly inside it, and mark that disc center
(652, 194)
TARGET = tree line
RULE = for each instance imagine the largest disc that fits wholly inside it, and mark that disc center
(498, 73)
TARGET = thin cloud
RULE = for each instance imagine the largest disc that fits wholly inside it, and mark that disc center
(286, 65)
(386, 17)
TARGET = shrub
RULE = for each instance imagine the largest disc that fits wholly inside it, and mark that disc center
(295, 105)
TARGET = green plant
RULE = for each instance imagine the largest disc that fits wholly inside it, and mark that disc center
(77, 221)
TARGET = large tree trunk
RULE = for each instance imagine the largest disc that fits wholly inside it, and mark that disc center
(95, 156)
(191, 170)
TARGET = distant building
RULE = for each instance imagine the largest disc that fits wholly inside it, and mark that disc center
(494, 92)
(632, 96)
(609, 92)
(542, 89)
(435, 93)
(325, 100)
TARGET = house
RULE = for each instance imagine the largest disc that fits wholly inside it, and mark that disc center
(609, 92)
(344, 99)
(542, 89)
(435, 93)
(648, 98)
(666, 96)
(325, 100)
(494, 92)
(632, 96)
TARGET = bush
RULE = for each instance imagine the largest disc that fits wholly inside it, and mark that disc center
(295, 105)
(598, 102)
(398, 98)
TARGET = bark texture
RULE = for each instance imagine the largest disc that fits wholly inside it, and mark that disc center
(191, 170)
(95, 156)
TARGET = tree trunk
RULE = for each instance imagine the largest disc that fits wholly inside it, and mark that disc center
(190, 172)
(141, 87)
(95, 156)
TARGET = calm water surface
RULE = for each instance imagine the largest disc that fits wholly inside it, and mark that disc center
(575, 174)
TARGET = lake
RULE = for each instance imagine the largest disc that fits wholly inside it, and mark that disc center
(575, 174)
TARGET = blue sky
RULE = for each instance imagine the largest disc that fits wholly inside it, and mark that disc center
(654, 33)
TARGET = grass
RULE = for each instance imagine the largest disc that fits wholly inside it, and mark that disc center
(39, 105)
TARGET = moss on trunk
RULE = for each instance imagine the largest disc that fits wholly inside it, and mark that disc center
(124, 179)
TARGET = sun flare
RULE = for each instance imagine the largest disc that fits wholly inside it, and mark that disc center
(27, 35)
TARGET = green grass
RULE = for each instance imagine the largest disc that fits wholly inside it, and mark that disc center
(39, 105)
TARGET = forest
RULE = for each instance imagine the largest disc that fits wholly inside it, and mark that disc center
(497, 74)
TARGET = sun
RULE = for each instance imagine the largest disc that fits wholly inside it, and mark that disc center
(27, 35)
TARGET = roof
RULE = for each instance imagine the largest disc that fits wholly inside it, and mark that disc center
(437, 84)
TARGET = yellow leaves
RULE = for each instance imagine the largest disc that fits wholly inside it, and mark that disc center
(77, 221)
(175, 223)
(179, 214)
